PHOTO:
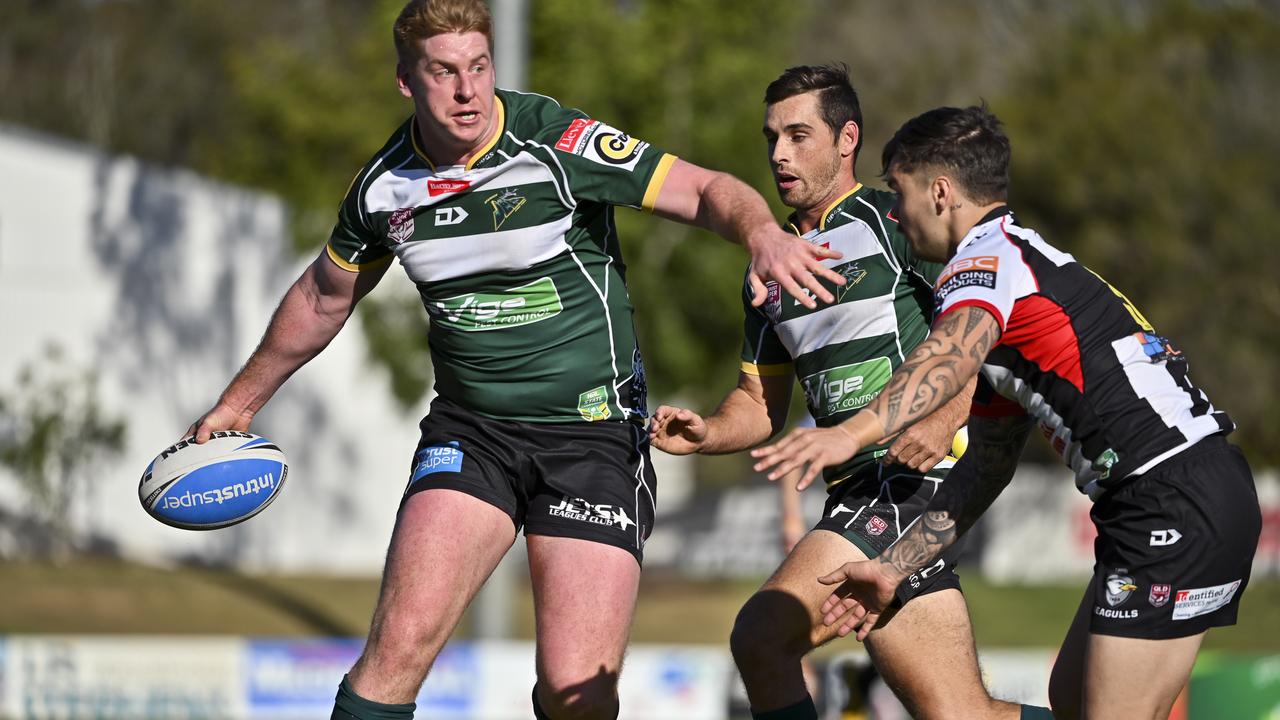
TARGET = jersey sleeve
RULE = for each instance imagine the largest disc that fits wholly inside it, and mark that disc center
(354, 245)
(762, 352)
(989, 403)
(607, 165)
(985, 275)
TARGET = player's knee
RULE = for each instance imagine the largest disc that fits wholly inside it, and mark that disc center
(593, 699)
(772, 627)
(408, 644)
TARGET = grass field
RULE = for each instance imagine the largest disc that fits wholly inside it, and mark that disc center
(94, 595)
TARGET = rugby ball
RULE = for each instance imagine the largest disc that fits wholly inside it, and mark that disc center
(224, 481)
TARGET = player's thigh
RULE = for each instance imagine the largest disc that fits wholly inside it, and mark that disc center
(445, 544)
(584, 595)
(926, 655)
(1066, 682)
(1113, 665)
(784, 615)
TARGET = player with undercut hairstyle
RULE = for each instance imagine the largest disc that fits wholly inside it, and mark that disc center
(499, 207)
(1056, 346)
(842, 353)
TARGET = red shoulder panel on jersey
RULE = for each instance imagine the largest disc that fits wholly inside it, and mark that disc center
(1040, 330)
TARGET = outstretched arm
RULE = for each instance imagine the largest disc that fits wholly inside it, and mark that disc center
(312, 312)
(936, 371)
(727, 206)
(866, 588)
(750, 414)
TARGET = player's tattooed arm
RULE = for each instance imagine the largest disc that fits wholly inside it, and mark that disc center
(938, 369)
(982, 474)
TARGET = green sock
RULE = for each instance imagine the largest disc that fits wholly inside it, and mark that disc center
(1035, 712)
(803, 710)
(350, 706)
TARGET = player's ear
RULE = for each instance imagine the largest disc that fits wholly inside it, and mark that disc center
(848, 139)
(402, 79)
(942, 193)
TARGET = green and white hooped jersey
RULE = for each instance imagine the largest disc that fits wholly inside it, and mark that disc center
(844, 353)
(516, 258)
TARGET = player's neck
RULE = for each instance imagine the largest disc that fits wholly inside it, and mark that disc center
(442, 153)
(807, 219)
(965, 218)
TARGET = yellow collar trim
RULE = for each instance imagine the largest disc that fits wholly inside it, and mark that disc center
(822, 222)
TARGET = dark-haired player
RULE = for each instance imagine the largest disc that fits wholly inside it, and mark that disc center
(1174, 502)
(843, 354)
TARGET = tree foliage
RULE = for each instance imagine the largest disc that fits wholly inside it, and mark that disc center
(53, 433)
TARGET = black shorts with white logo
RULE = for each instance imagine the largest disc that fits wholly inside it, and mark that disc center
(591, 481)
(876, 505)
(1175, 545)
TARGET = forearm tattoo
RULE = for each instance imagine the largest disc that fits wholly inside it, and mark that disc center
(970, 488)
(938, 368)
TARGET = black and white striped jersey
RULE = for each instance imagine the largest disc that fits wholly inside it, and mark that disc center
(1113, 396)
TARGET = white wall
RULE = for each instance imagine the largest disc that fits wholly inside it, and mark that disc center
(164, 281)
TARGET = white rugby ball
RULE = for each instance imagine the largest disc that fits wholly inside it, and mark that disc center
(229, 479)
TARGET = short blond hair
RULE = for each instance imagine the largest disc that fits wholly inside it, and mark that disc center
(421, 19)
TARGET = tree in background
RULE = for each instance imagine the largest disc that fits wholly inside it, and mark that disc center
(54, 436)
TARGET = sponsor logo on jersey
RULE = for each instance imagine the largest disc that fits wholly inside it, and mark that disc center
(610, 146)
(1159, 594)
(773, 302)
(1201, 601)
(1114, 614)
(1156, 348)
(876, 525)
(400, 226)
(450, 215)
(967, 272)
(475, 312)
(504, 204)
(593, 405)
(442, 186)
(852, 275)
(581, 510)
(571, 140)
(1105, 462)
(1164, 538)
(437, 458)
(1119, 587)
(847, 387)
(639, 386)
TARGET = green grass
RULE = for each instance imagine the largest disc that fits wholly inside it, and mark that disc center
(93, 595)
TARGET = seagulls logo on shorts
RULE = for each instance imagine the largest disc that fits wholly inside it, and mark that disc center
(1119, 587)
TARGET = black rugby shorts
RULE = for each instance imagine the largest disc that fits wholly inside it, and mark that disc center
(1175, 545)
(876, 505)
(591, 481)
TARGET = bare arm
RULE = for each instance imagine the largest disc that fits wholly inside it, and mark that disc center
(866, 588)
(751, 413)
(935, 372)
(927, 442)
(312, 312)
(727, 206)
